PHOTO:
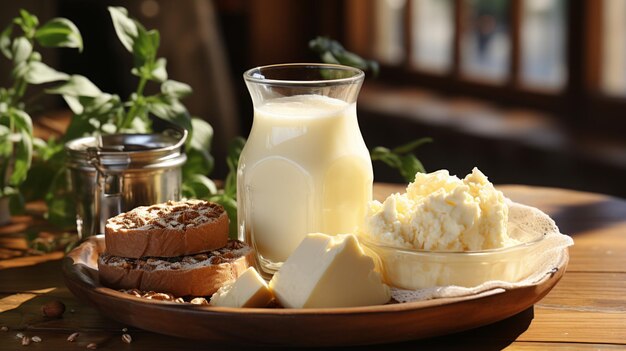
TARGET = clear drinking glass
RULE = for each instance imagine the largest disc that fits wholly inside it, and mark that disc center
(305, 167)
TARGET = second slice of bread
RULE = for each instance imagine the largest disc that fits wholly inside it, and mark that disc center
(170, 229)
(195, 275)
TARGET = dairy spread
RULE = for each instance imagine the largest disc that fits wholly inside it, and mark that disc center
(329, 271)
(249, 290)
(440, 212)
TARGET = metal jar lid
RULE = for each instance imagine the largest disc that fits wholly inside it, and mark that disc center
(127, 152)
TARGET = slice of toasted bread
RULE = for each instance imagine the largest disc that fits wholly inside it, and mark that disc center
(170, 229)
(196, 275)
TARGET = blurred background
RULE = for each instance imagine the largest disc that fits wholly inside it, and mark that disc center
(530, 91)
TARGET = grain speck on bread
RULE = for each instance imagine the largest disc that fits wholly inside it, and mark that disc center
(177, 215)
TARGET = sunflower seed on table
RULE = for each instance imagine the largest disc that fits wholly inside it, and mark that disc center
(4, 328)
(36, 338)
(19, 335)
(92, 346)
(127, 338)
(73, 337)
(25, 341)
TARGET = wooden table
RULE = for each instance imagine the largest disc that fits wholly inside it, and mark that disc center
(585, 311)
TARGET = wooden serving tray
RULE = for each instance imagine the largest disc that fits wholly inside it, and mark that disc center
(298, 327)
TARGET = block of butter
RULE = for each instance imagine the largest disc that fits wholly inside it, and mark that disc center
(249, 290)
(328, 271)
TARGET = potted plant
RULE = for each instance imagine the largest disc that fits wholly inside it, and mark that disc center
(99, 113)
(96, 112)
(18, 43)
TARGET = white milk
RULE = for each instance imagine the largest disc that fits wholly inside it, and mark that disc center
(305, 168)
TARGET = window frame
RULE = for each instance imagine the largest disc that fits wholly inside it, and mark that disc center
(573, 104)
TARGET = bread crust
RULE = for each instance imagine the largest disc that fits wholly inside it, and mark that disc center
(197, 279)
(167, 242)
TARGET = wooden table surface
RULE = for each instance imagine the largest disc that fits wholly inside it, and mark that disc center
(585, 311)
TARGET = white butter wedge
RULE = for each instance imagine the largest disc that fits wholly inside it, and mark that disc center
(328, 271)
(249, 290)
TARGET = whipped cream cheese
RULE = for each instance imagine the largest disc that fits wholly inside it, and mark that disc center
(440, 212)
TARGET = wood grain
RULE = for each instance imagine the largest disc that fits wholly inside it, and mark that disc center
(565, 325)
(585, 311)
(29, 261)
(589, 292)
(529, 346)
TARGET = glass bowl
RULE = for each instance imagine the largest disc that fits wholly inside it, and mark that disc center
(417, 269)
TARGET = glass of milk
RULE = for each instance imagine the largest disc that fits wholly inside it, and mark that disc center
(305, 167)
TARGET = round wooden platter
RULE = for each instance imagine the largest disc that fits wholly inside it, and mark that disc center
(298, 327)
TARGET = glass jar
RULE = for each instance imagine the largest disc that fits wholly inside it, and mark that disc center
(305, 167)
(111, 174)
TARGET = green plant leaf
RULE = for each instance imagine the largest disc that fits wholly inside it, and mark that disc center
(200, 186)
(352, 59)
(202, 135)
(198, 162)
(145, 47)
(328, 57)
(410, 166)
(232, 161)
(331, 51)
(170, 110)
(22, 120)
(230, 184)
(199, 158)
(46, 150)
(410, 147)
(74, 104)
(61, 205)
(234, 152)
(16, 203)
(29, 19)
(401, 158)
(176, 89)
(159, 73)
(103, 108)
(125, 27)
(324, 44)
(39, 73)
(139, 125)
(21, 49)
(101, 105)
(230, 205)
(79, 127)
(28, 22)
(76, 86)
(385, 155)
(59, 32)
(5, 145)
(5, 41)
(35, 56)
(23, 157)
(20, 70)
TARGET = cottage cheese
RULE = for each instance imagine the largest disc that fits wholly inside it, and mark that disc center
(440, 212)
